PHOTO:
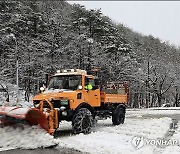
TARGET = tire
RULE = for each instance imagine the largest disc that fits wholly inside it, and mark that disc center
(82, 121)
(118, 115)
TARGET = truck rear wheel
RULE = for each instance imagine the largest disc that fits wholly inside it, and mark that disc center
(118, 115)
(82, 121)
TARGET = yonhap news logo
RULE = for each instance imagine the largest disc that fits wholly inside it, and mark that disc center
(138, 142)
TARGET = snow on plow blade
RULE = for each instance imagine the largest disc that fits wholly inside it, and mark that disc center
(31, 116)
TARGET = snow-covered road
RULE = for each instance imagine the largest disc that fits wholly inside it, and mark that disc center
(105, 138)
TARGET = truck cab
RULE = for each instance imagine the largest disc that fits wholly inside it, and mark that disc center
(68, 91)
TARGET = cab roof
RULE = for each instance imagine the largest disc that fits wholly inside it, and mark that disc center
(72, 72)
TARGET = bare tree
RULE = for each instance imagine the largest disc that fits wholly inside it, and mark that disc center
(160, 85)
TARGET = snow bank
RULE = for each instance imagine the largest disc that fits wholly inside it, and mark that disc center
(152, 111)
(24, 137)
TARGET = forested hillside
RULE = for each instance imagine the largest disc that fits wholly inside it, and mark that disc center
(50, 35)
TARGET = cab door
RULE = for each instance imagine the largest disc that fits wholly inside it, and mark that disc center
(92, 96)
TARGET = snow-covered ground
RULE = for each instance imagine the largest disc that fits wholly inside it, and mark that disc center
(105, 138)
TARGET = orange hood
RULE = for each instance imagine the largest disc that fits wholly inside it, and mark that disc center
(56, 95)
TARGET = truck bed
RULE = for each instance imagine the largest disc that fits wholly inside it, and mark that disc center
(114, 98)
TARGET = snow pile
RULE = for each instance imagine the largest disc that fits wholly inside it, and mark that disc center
(24, 137)
(107, 138)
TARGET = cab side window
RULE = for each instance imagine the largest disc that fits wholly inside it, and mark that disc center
(92, 82)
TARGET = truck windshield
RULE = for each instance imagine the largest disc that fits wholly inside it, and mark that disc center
(68, 82)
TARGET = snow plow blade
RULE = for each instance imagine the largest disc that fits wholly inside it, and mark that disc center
(30, 116)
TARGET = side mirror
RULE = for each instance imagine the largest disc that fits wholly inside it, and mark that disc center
(96, 81)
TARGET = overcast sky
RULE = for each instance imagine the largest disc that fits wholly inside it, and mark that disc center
(158, 18)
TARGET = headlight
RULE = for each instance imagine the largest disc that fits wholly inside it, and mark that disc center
(64, 102)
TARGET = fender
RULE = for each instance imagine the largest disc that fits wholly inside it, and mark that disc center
(85, 105)
(122, 105)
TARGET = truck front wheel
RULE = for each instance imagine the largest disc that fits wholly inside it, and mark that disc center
(118, 115)
(82, 121)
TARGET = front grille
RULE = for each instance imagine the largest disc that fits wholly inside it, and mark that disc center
(58, 104)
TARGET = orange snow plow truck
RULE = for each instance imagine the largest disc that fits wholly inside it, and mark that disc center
(74, 96)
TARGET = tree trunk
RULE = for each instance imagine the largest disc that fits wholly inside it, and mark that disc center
(159, 96)
(176, 101)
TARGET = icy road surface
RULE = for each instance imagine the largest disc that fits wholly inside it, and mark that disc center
(105, 138)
